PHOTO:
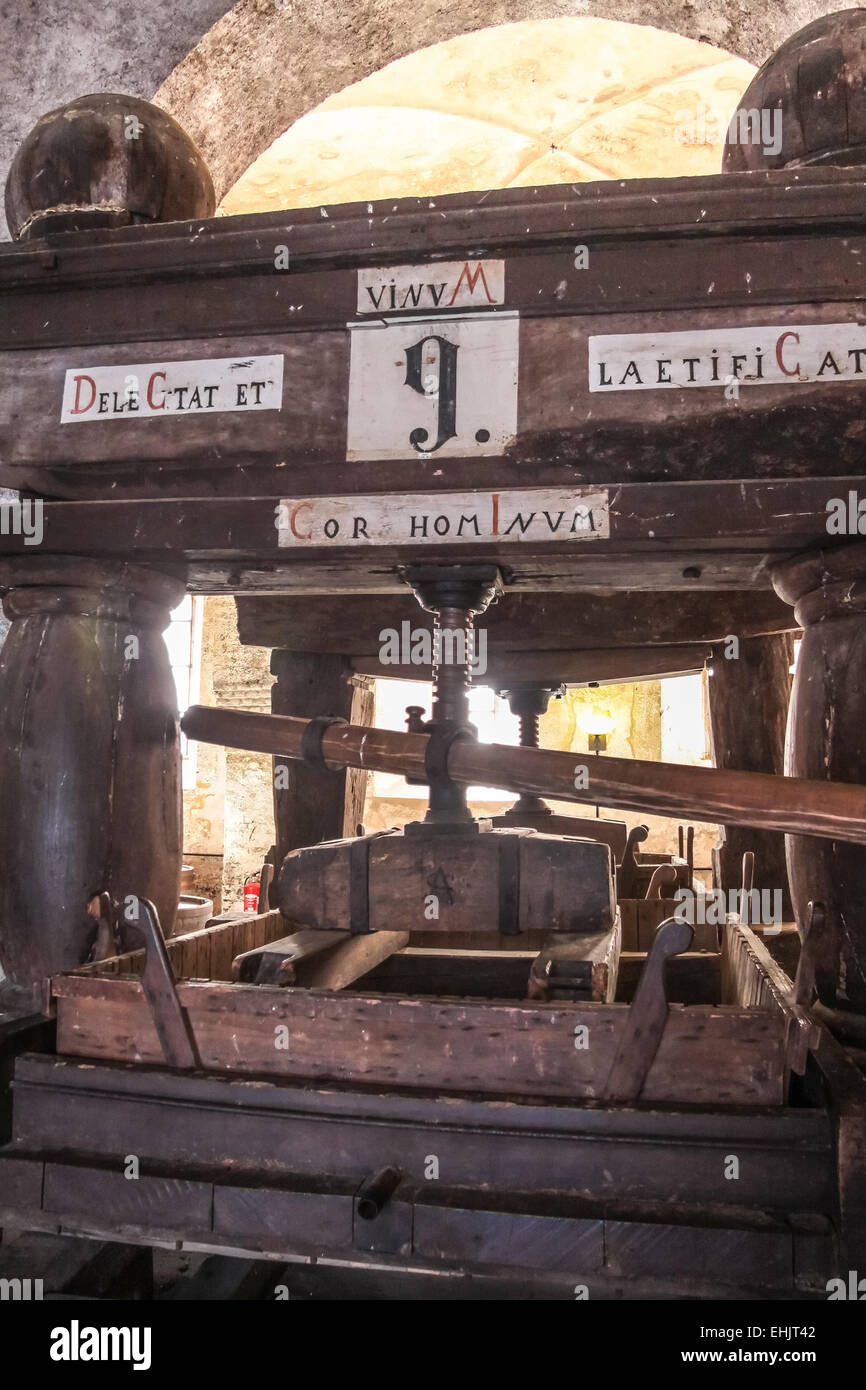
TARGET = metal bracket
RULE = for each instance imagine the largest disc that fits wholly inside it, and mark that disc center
(157, 980)
(311, 742)
(647, 1015)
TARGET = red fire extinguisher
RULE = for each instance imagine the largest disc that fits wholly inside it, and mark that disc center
(251, 893)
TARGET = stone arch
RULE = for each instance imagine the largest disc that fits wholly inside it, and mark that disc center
(268, 62)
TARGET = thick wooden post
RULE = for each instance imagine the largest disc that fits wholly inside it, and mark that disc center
(749, 696)
(827, 739)
(89, 759)
(311, 806)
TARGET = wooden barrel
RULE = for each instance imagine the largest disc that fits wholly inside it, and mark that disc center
(89, 759)
(826, 738)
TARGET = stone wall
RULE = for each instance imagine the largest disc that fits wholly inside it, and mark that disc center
(229, 815)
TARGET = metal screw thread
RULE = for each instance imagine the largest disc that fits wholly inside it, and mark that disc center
(529, 731)
(452, 678)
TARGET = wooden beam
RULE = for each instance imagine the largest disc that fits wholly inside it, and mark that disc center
(730, 1057)
(749, 694)
(834, 810)
(307, 806)
(602, 667)
(581, 623)
(692, 519)
(317, 959)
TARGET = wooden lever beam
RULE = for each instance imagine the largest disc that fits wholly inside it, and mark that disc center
(794, 805)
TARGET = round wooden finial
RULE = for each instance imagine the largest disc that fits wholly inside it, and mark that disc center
(105, 161)
(807, 104)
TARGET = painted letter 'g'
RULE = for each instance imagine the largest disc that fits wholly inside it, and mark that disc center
(445, 388)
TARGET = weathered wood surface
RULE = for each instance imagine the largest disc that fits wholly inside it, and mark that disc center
(751, 979)
(602, 667)
(175, 292)
(578, 967)
(749, 697)
(307, 806)
(692, 978)
(316, 959)
(89, 758)
(844, 1087)
(467, 972)
(612, 833)
(579, 624)
(454, 882)
(663, 536)
(641, 918)
(347, 1132)
(78, 169)
(205, 954)
(815, 81)
(792, 804)
(73, 1268)
(715, 1056)
(827, 738)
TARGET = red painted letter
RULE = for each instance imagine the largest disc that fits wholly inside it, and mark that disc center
(79, 409)
(151, 402)
(782, 368)
(301, 535)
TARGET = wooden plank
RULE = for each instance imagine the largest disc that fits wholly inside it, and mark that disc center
(846, 1090)
(730, 1056)
(762, 1254)
(73, 311)
(158, 1199)
(692, 978)
(202, 957)
(234, 282)
(69, 1267)
(221, 1279)
(467, 973)
(578, 966)
(297, 1130)
(628, 908)
(317, 959)
(220, 940)
(602, 667)
(524, 622)
(772, 513)
(650, 914)
(222, 953)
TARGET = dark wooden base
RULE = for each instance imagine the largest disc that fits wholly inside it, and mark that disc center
(600, 1195)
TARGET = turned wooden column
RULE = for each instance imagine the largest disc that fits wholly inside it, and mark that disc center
(827, 739)
(89, 759)
(314, 805)
(749, 697)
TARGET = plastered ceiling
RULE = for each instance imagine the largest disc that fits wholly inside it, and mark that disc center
(546, 101)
